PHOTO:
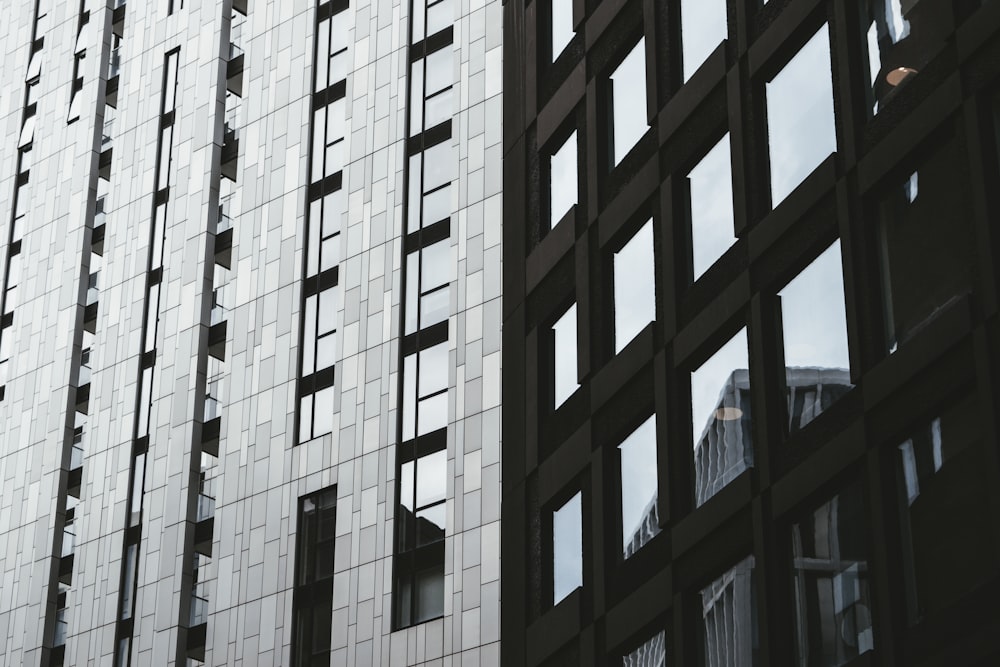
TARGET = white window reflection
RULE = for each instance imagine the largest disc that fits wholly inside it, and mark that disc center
(567, 548)
(814, 330)
(720, 416)
(703, 27)
(628, 102)
(729, 618)
(652, 653)
(565, 371)
(711, 188)
(563, 186)
(640, 522)
(800, 122)
(635, 286)
(562, 26)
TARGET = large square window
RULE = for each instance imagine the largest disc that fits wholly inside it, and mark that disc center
(829, 549)
(729, 618)
(800, 123)
(637, 454)
(567, 548)
(627, 91)
(710, 186)
(720, 417)
(814, 326)
(635, 286)
(703, 26)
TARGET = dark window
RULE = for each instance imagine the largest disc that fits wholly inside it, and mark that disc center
(729, 618)
(313, 601)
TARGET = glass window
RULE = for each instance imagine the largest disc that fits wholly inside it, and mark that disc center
(440, 15)
(313, 597)
(800, 125)
(710, 185)
(902, 36)
(427, 274)
(703, 26)
(635, 286)
(328, 140)
(27, 132)
(729, 618)
(320, 331)
(833, 619)
(128, 581)
(564, 356)
(628, 102)
(323, 244)
(814, 328)
(720, 415)
(422, 487)
(562, 26)
(563, 184)
(567, 548)
(651, 653)
(425, 391)
(640, 522)
(927, 251)
(944, 506)
(170, 89)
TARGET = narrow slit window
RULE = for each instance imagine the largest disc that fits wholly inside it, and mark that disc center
(564, 356)
(710, 186)
(627, 88)
(567, 548)
(635, 286)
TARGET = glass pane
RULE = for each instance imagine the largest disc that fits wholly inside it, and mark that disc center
(429, 589)
(439, 16)
(128, 583)
(430, 524)
(309, 336)
(433, 413)
(440, 70)
(628, 98)
(431, 478)
(720, 417)
(322, 45)
(567, 548)
(944, 505)
(435, 265)
(327, 310)
(439, 108)
(406, 484)
(323, 412)
(326, 351)
(640, 522)
(412, 290)
(729, 618)
(305, 418)
(565, 370)
(814, 327)
(711, 187)
(413, 197)
(138, 481)
(703, 26)
(563, 187)
(635, 286)
(437, 206)
(833, 619)
(434, 307)
(416, 97)
(433, 369)
(562, 26)
(800, 126)
(439, 166)
(652, 653)
(409, 396)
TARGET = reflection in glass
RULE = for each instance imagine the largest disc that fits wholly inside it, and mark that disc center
(711, 188)
(564, 357)
(902, 36)
(833, 620)
(720, 416)
(652, 653)
(628, 102)
(814, 326)
(800, 126)
(563, 190)
(944, 507)
(729, 618)
(640, 522)
(635, 286)
(703, 26)
(567, 548)
(562, 26)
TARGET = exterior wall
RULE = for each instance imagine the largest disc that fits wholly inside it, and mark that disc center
(260, 474)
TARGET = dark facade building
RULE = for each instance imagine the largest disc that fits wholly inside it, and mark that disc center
(751, 332)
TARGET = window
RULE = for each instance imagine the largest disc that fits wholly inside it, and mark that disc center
(814, 326)
(27, 132)
(635, 286)
(651, 653)
(729, 618)
(627, 91)
(563, 184)
(833, 619)
(800, 125)
(637, 455)
(431, 173)
(425, 391)
(328, 140)
(430, 89)
(710, 185)
(316, 414)
(703, 26)
(331, 50)
(320, 334)
(564, 356)
(430, 17)
(720, 416)
(313, 596)
(944, 505)
(567, 548)
(926, 246)
(427, 274)
(562, 26)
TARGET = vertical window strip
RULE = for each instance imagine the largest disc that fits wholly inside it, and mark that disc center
(418, 564)
(144, 389)
(324, 213)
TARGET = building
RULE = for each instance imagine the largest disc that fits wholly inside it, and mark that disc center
(250, 335)
(751, 339)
